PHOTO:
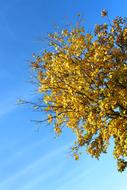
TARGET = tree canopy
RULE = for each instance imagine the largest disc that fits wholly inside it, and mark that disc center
(82, 82)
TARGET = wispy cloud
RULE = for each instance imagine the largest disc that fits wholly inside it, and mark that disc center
(21, 152)
(41, 178)
(70, 179)
(42, 161)
(10, 104)
(6, 107)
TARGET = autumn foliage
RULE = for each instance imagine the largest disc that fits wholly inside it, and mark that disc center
(82, 81)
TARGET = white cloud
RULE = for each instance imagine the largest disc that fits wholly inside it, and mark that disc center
(21, 152)
(76, 177)
(42, 161)
(41, 178)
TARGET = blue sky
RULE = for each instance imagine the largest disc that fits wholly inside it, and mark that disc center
(30, 158)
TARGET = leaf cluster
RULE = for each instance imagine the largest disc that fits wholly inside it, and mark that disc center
(82, 82)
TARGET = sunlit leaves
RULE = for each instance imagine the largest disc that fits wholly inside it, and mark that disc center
(83, 83)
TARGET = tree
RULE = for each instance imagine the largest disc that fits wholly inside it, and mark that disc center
(82, 82)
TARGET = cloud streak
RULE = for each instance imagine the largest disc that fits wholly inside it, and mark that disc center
(20, 153)
(42, 177)
(42, 161)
